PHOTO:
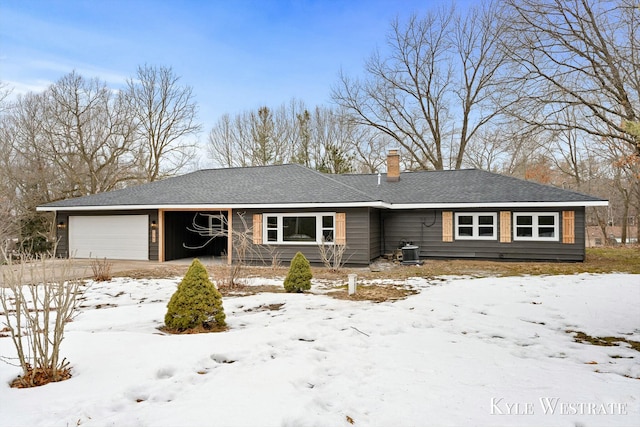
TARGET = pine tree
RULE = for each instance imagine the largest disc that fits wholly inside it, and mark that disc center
(299, 276)
(196, 302)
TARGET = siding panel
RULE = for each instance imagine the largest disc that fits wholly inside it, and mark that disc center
(375, 239)
(425, 229)
(357, 240)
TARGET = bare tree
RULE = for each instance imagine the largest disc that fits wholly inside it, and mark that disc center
(331, 140)
(165, 113)
(28, 172)
(320, 138)
(89, 135)
(75, 138)
(8, 225)
(435, 89)
(577, 66)
(490, 150)
(229, 142)
(582, 55)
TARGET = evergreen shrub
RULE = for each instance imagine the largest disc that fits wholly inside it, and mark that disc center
(299, 276)
(196, 302)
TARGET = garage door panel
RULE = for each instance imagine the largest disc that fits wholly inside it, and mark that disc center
(109, 236)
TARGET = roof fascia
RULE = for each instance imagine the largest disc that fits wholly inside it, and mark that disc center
(376, 204)
(211, 206)
(498, 205)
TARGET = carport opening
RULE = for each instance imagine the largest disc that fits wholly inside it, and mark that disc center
(195, 234)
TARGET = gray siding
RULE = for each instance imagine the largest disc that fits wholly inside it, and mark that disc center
(62, 234)
(357, 228)
(424, 228)
(370, 234)
(375, 234)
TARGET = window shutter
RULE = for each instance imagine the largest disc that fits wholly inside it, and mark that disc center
(257, 229)
(505, 227)
(447, 226)
(341, 228)
(568, 227)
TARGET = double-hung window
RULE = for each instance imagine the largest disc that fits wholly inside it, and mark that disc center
(535, 226)
(299, 228)
(476, 225)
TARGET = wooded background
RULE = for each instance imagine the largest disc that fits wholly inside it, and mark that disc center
(544, 90)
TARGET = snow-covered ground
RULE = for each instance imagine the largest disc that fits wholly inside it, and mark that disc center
(462, 351)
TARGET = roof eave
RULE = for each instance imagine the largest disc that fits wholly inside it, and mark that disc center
(211, 206)
(499, 205)
(374, 204)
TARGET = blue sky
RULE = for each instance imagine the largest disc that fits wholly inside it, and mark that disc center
(237, 55)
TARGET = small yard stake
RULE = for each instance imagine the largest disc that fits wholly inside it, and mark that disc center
(352, 283)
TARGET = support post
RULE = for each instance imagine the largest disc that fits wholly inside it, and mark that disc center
(352, 283)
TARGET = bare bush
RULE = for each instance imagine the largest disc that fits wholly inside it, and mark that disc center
(332, 255)
(37, 301)
(244, 249)
(101, 269)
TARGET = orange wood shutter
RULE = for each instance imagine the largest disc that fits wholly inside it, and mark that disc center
(568, 227)
(447, 226)
(341, 228)
(257, 229)
(505, 227)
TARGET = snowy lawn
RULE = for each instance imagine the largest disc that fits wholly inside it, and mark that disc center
(462, 351)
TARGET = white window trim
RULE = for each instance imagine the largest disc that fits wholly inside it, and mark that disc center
(215, 229)
(476, 226)
(535, 226)
(279, 240)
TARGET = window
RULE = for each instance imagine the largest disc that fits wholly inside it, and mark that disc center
(216, 224)
(327, 227)
(307, 228)
(477, 226)
(535, 226)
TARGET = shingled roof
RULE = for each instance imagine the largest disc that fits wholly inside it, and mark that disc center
(298, 186)
(462, 186)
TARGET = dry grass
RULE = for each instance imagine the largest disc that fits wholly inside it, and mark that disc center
(242, 290)
(375, 293)
(39, 377)
(581, 337)
(197, 330)
(600, 260)
(157, 272)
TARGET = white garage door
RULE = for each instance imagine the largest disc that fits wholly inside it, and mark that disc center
(109, 236)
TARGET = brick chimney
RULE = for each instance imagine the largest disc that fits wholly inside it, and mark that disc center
(393, 166)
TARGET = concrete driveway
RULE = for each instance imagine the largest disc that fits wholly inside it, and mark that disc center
(81, 268)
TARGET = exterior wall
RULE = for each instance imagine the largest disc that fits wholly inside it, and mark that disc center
(62, 232)
(372, 232)
(424, 228)
(357, 237)
(375, 234)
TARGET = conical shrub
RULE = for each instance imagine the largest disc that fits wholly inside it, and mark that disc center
(299, 276)
(196, 302)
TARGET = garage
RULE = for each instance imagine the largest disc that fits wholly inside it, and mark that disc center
(109, 236)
